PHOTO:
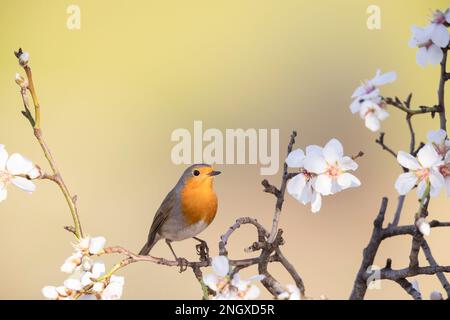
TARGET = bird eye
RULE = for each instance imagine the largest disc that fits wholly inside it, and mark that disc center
(196, 173)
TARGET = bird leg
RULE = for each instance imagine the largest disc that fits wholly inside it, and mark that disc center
(202, 249)
(181, 261)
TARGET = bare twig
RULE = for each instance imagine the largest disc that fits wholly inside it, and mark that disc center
(36, 123)
(380, 141)
(429, 256)
(280, 195)
(409, 288)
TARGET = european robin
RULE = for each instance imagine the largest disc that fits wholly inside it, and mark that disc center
(187, 210)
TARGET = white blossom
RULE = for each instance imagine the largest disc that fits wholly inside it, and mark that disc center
(445, 171)
(92, 245)
(436, 295)
(321, 172)
(422, 171)
(332, 169)
(430, 39)
(12, 170)
(292, 293)
(114, 289)
(423, 226)
(86, 280)
(50, 292)
(439, 141)
(220, 265)
(230, 289)
(369, 89)
(301, 186)
(372, 112)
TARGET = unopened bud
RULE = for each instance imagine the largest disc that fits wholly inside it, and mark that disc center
(436, 295)
(86, 264)
(423, 226)
(24, 58)
(35, 173)
(21, 81)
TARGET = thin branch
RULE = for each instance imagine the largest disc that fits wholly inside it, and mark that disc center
(441, 276)
(380, 141)
(441, 91)
(280, 196)
(262, 233)
(409, 288)
(397, 103)
(369, 253)
(398, 211)
(290, 268)
(57, 178)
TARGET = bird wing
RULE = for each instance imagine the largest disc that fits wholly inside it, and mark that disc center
(161, 215)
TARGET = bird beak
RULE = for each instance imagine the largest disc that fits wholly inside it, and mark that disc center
(214, 173)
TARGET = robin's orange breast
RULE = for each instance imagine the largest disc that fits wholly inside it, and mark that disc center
(198, 202)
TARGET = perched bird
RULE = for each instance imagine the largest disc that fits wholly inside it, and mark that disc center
(187, 209)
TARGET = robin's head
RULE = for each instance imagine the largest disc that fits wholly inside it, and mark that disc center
(199, 175)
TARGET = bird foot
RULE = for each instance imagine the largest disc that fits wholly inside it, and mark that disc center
(203, 250)
(183, 263)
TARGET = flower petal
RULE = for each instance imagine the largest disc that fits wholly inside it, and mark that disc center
(437, 137)
(385, 78)
(315, 163)
(422, 56)
(381, 114)
(316, 202)
(24, 184)
(68, 267)
(86, 278)
(333, 151)
(347, 163)
(50, 292)
(447, 185)
(211, 280)
(440, 36)
(96, 245)
(434, 54)
(98, 269)
(361, 90)
(405, 182)
(372, 122)
(314, 149)
(355, 106)
(252, 293)
(428, 157)
(72, 284)
(407, 161)
(18, 164)
(3, 157)
(347, 180)
(296, 185)
(323, 184)
(3, 194)
(220, 265)
(295, 158)
(437, 182)
(421, 187)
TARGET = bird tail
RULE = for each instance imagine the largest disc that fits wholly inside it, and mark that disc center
(147, 247)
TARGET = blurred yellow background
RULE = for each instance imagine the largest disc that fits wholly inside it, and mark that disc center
(113, 91)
